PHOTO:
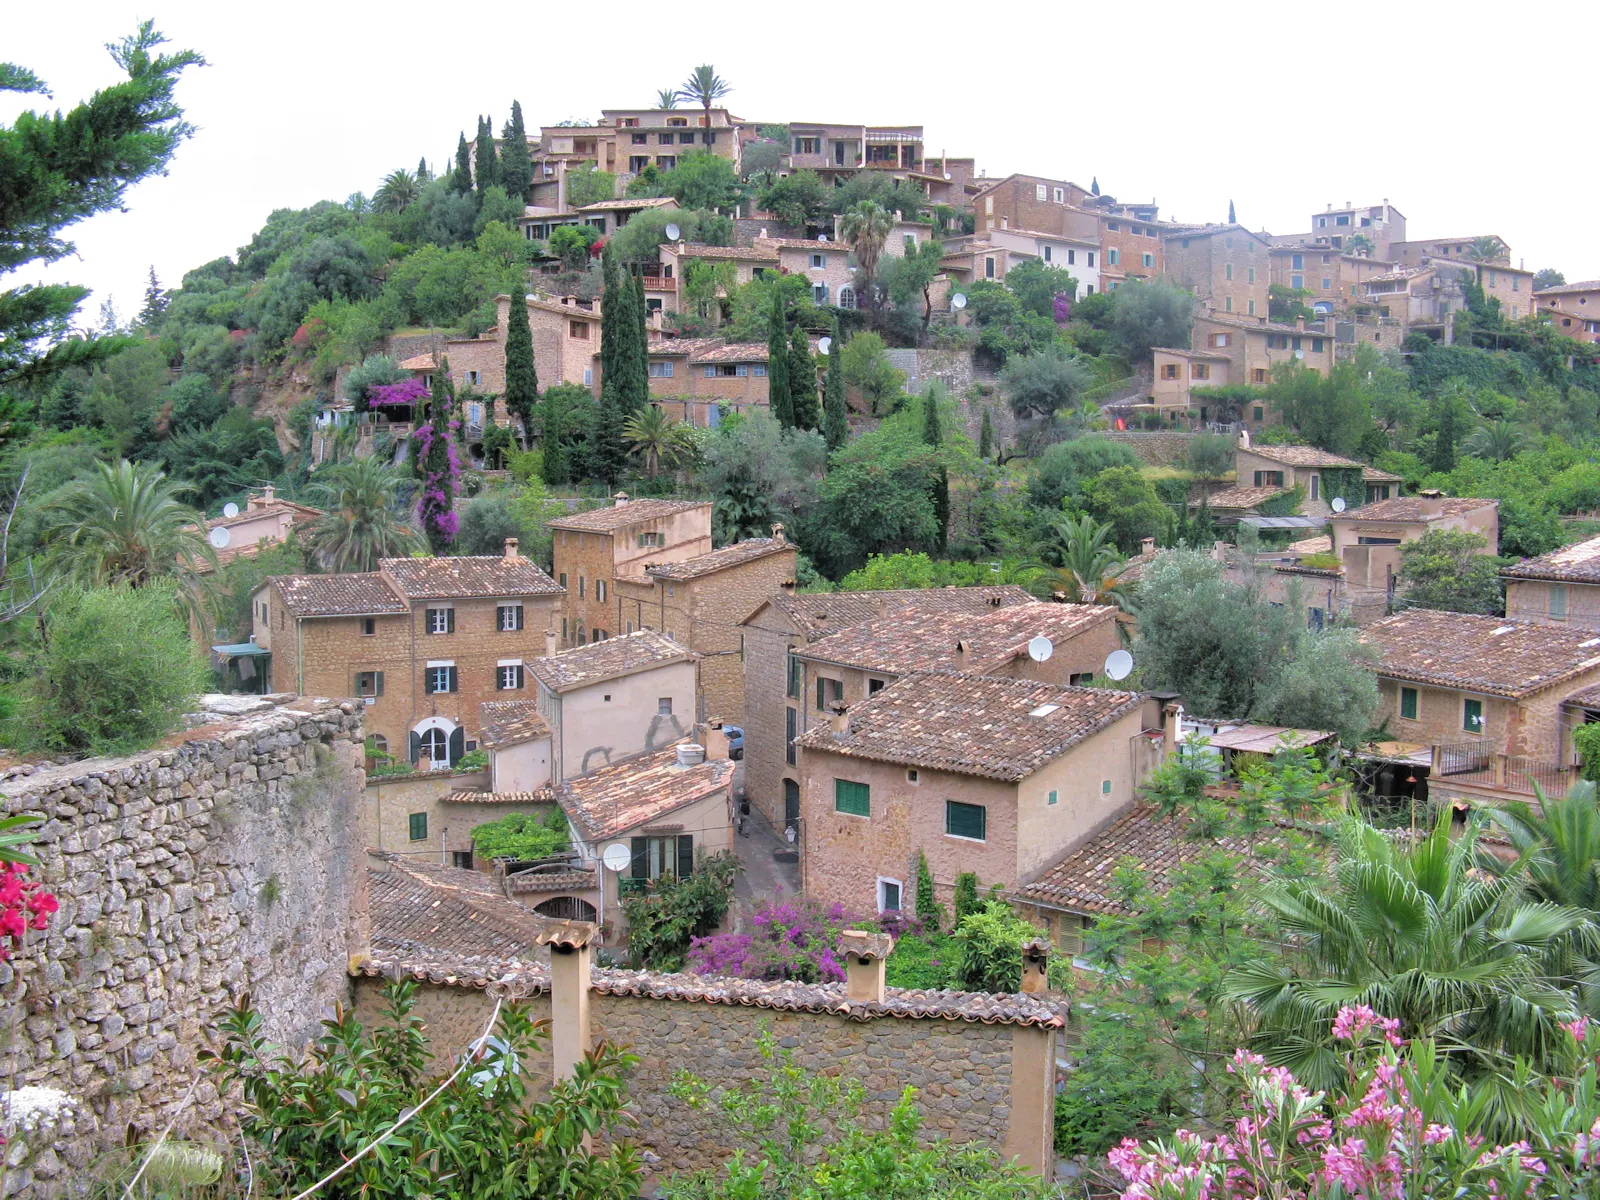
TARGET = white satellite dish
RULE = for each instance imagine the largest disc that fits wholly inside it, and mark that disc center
(219, 537)
(1041, 648)
(1119, 664)
(824, 345)
(958, 301)
(230, 510)
(822, 237)
(617, 857)
(1337, 504)
(672, 232)
(505, 1059)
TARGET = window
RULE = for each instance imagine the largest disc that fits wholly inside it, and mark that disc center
(1148, 260)
(441, 620)
(369, 625)
(1169, 370)
(638, 162)
(1250, 306)
(1039, 191)
(1472, 716)
(1268, 478)
(819, 293)
(1316, 345)
(652, 539)
(588, 377)
(666, 161)
(583, 586)
(854, 799)
(508, 618)
(793, 689)
(579, 330)
(600, 590)
(829, 691)
(966, 820)
(711, 372)
(661, 370)
(1250, 272)
(847, 299)
(1072, 256)
(509, 678)
(686, 139)
(1297, 262)
(439, 679)
(1408, 703)
(988, 268)
(1342, 220)
(1219, 341)
(1105, 787)
(1113, 257)
(563, 577)
(1060, 195)
(474, 377)
(1326, 283)
(819, 261)
(1080, 679)
(1227, 271)
(1227, 304)
(1199, 371)
(1297, 281)
(913, 775)
(1316, 486)
(791, 730)
(641, 139)
(806, 145)
(1113, 227)
(1090, 256)
(461, 859)
(666, 139)
(369, 683)
(1047, 257)
(654, 857)
(888, 895)
(1558, 602)
(419, 827)
(1052, 797)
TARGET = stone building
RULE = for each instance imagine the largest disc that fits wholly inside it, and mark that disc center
(1254, 347)
(1033, 202)
(1078, 255)
(592, 550)
(267, 520)
(700, 601)
(1383, 226)
(1368, 539)
(1226, 266)
(1333, 278)
(1559, 588)
(699, 379)
(1573, 309)
(1321, 474)
(422, 642)
(973, 773)
(787, 621)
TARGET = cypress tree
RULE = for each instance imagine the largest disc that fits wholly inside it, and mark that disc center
(986, 436)
(1444, 441)
(437, 467)
(933, 435)
(461, 180)
(612, 307)
(778, 400)
(1232, 220)
(551, 444)
(522, 377)
(488, 164)
(803, 381)
(835, 423)
(423, 174)
(516, 165)
(639, 350)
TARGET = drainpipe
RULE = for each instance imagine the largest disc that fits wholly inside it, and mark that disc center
(299, 657)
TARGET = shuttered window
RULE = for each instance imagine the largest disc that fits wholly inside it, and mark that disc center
(419, 827)
(852, 798)
(508, 617)
(966, 820)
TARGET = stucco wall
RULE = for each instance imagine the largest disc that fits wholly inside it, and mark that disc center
(618, 718)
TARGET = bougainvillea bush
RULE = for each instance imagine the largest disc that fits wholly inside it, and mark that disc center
(1399, 1125)
(793, 939)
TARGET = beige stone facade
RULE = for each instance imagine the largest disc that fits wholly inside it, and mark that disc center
(1573, 309)
(1255, 346)
(1226, 266)
(1032, 202)
(1179, 372)
(1333, 278)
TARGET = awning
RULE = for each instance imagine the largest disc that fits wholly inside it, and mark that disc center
(1267, 739)
(1284, 522)
(241, 650)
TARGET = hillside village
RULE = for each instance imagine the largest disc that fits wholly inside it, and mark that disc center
(782, 602)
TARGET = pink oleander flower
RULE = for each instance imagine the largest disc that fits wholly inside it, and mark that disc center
(1356, 1021)
(1579, 1029)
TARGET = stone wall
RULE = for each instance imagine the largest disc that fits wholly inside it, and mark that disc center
(1163, 448)
(953, 368)
(228, 861)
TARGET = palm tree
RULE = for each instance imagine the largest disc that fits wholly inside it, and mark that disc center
(363, 521)
(128, 524)
(1557, 844)
(398, 192)
(657, 438)
(1358, 243)
(1498, 441)
(667, 98)
(1417, 934)
(704, 87)
(1091, 569)
(1485, 249)
(866, 226)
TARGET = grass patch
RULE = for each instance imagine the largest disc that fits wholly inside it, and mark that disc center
(921, 960)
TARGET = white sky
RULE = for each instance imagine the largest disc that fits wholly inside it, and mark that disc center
(1472, 118)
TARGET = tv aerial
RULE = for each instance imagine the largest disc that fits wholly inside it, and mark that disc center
(1337, 504)
(1041, 648)
(219, 537)
(230, 510)
(673, 232)
(617, 857)
(958, 301)
(1119, 664)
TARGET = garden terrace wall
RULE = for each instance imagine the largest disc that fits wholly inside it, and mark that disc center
(228, 861)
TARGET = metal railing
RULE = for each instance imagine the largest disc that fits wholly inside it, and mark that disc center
(1522, 774)
(1463, 758)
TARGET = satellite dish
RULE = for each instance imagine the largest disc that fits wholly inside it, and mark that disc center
(822, 237)
(1338, 504)
(617, 857)
(823, 345)
(1119, 664)
(230, 510)
(505, 1059)
(672, 232)
(1041, 648)
(219, 537)
(958, 301)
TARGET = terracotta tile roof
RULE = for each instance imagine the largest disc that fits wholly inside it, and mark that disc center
(756, 253)
(804, 244)
(738, 553)
(418, 907)
(1191, 354)
(1133, 567)
(509, 723)
(624, 205)
(925, 639)
(298, 513)
(1561, 289)
(464, 576)
(521, 980)
(1373, 475)
(680, 347)
(1588, 697)
(1410, 508)
(419, 362)
(1322, 544)
(1495, 655)
(731, 352)
(368, 594)
(558, 877)
(544, 795)
(1579, 563)
(621, 655)
(1300, 456)
(1245, 323)
(817, 614)
(1081, 880)
(1399, 275)
(1240, 497)
(639, 790)
(972, 724)
(620, 516)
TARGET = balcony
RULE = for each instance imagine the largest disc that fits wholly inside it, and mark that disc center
(1476, 769)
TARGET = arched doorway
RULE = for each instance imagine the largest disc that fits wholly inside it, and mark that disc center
(437, 743)
(566, 908)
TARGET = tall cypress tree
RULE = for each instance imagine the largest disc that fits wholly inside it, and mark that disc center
(461, 179)
(1444, 441)
(835, 414)
(438, 467)
(803, 381)
(778, 399)
(1232, 220)
(516, 165)
(612, 306)
(487, 173)
(933, 434)
(639, 351)
(522, 377)
(423, 174)
(615, 318)
(986, 435)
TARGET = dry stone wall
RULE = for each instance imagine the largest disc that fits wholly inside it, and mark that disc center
(229, 862)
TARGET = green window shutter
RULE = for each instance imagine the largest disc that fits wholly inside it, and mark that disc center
(791, 720)
(822, 698)
(1408, 703)
(794, 677)
(640, 869)
(427, 681)
(1472, 716)
(852, 798)
(685, 855)
(966, 820)
(450, 620)
(450, 679)
(378, 691)
(419, 827)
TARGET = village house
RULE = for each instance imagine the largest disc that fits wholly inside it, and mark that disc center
(1131, 249)
(430, 818)
(1254, 346)
(422, 642)
(266, 520)
(974, 773)
(1495, 698)
(664, 281)
(1227, 267)
(1177, 373)
(1321, 474)
(609, 216)
(1573, 309)
(592, 550)
(1421, 252)
(829, 267)
(1559, 588)
(1368, 539)
(1382, 225)
(699, 380)
(974, 259)
(774, 709)
(1423, 298)
(700, 601)
(1334, 278)
(1077, 255)
(1033, 202)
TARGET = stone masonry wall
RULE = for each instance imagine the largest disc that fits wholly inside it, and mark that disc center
(1166, 448)
(228, 862)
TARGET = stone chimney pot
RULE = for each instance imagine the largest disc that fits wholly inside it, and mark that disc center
(511, 548)
(866, 961)
(1036, 966)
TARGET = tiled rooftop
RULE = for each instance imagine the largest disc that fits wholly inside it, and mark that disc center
(1586, 285)
(1413, 508)
(639, 790)
(1579, 563)
(737, 253)
(1373, 475)
(971, 724)
(818, 614)
(509, 723)
(421, 907)
(636, 202)
(1494, 655)
(620, 655)
(1300, 456)
(1239, 497)
(363, 595)
(620, 516)
(734, 352)
(465, 576)
(925, 640)
(738, 553)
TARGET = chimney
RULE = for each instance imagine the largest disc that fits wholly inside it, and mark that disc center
(866, 957)
(1431, 501)
(1147, 546)
(1244, 439)
(551, 647)
(787, 586)
(839, 718)
(569, 943)
(620, 499)
(880, 606)
(715, 741)
(1036, 966)
(511, 548)
(682, 245)
(777, 534)
(1173, 727)
(963, 654)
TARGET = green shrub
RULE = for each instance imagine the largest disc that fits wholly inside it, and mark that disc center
(966, 895)
(523, 836)
(921, 960)
(671, 911)
(473, 760)
(929, 910)
(1586, 740)
(988, 949)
